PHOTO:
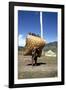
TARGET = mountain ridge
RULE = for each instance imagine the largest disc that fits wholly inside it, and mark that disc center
(51, 46)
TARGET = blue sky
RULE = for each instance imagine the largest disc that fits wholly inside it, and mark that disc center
(29, 21)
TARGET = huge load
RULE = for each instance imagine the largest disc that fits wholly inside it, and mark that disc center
(33, 41)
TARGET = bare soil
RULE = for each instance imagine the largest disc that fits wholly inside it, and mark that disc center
(46, 67)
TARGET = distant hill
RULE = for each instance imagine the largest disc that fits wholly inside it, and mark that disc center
(51, 46)
(20, 48)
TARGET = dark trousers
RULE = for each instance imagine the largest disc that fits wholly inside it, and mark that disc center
(34, 59)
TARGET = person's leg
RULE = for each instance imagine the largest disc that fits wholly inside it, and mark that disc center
(32, 60)
(36, 61)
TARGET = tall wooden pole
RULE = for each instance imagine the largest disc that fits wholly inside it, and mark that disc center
(41, 24)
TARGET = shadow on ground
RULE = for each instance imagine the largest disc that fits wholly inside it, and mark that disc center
(38, 64)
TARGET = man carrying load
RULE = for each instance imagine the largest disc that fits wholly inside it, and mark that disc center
(35, 54)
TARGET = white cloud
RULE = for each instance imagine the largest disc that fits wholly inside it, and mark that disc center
(22, 40)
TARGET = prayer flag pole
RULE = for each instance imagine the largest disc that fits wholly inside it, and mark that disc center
(41, 24)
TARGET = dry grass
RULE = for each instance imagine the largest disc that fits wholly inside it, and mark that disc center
(46, 67)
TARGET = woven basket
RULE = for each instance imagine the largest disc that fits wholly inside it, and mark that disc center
(31, 42)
